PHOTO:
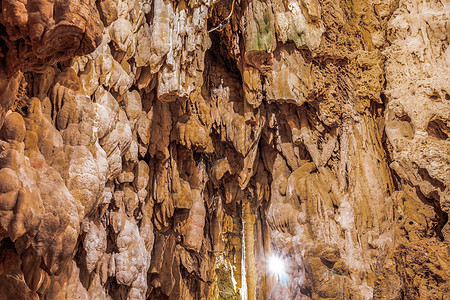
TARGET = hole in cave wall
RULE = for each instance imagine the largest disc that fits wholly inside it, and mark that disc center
(217, 54)
(222, 40)
(3, 47)
(438, 128)
(426, 176)
(441, 216)
(7, 254)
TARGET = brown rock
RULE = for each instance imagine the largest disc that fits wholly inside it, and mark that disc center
(13, 128)
(194, 140)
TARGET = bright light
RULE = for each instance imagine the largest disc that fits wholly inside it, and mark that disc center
(276, 266)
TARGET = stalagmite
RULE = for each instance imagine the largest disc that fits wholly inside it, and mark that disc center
(248, 221)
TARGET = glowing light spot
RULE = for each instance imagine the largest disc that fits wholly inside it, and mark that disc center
(276, 266)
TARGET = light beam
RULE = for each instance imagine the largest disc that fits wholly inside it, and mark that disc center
(276, 266)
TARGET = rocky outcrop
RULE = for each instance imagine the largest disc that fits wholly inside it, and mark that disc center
(417, 117)
(168, 150)
(39, 33)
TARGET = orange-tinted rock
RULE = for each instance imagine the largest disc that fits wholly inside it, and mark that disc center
(13, 128)
(196, 139)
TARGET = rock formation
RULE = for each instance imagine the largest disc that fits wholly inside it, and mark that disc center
(163, 149)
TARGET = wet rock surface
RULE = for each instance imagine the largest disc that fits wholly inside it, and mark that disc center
(168, 149)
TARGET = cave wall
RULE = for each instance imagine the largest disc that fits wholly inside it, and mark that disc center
(167, 149)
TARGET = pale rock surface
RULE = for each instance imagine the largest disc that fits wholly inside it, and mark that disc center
(167, 149)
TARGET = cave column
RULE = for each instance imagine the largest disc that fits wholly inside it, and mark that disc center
(248, 220)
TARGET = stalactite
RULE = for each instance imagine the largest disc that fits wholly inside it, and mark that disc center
(172, 149)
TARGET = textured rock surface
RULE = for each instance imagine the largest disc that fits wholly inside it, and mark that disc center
(168, 149)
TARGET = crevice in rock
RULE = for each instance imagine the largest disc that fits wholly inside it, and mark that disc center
(438, 128)
(442, 217)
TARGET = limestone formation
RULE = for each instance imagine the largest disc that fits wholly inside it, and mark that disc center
(163, 149)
